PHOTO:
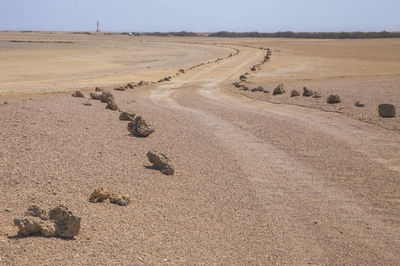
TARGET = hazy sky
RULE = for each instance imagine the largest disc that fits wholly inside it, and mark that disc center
(201, 15)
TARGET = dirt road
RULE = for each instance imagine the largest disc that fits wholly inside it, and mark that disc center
(257, 182)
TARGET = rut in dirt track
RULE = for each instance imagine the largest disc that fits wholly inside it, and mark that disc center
(327, 183)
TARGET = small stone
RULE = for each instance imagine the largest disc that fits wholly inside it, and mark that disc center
(161, 162)
(112, 105)
(237, 84)
(8, 210)
(87, 104)
(245, 88)
(316, 95)
(182, 71)
(278, 90)
(307, 92)
(387, 110)
(120, 89)
(332, 99)
(260, 88)
(141, 83)
(106, 96)
(294, 93)
(78, 94)
(125, 116)
(99, 195)
(129, 86)
(5, 102)
(139, 128)
(359, 104)
(120, 199)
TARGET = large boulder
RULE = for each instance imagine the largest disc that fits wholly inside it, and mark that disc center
(67, 224)
(307, 92)
(139, 128)
(387, 110)
(278, 90)
(59, 222)
(161, 162)
(334, 98)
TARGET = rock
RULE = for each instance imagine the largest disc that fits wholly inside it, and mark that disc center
(8, 210)
(141, 83)
(139, 128)
(129, 86)
(87, 104)
(334, 98)
(125, 116)
(243, 78)
(237, 84)
(245, 88)
(278, 90)
(99, 195)
(67, 224)
(5, 102)
(59, 222)
(120, 89)
(260, 88)
(182, 71)
(161, 162)
(112, 105)
(387, 110)
(103, 96)
(161, 80)
(307, 92)
(253, 68)
(358, 104)
(294, 93)
(97, 89)
(266, 91)
(36, 211)
(35, 226)
(95, 95)
(120, 199)
(316, 95)
(167, 79)
(78, 94)
(106, 96)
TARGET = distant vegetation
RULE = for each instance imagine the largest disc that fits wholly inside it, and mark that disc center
(180, 34)
(82, 32)
(309, 35)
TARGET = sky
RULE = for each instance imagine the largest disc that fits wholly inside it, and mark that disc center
(201, 15)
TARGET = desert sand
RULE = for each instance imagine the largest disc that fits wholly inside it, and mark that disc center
(259, 179)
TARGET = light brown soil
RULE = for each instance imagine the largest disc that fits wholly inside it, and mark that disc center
(255, 182)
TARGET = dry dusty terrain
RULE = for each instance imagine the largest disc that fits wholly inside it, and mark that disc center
(256, 183)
